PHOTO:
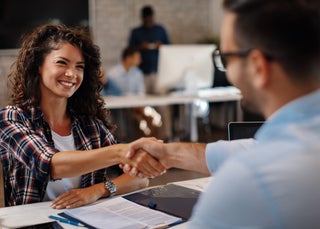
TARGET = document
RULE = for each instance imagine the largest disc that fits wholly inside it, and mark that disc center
(199, 184)
(121, 213)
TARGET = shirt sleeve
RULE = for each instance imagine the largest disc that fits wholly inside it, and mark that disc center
(218, 152)
(227, 204)
(132, 38)
(21, 142)
(166, 38)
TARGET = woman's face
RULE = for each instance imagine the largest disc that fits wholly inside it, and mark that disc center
(61, 72)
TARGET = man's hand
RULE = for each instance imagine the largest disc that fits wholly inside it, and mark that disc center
(142, 164)
(144, 46)
(155, 148)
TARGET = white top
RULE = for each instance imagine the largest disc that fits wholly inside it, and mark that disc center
(58, 187)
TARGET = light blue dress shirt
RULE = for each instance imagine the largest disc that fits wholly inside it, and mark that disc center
(127, 83)
(271, 183)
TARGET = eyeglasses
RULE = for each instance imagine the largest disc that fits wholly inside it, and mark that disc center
(220, 59)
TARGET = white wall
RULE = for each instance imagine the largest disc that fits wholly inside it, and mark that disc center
(186, 21)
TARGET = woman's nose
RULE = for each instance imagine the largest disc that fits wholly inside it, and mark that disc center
(70, 74)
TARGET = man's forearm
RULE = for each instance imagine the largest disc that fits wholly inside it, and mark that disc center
(188, 156)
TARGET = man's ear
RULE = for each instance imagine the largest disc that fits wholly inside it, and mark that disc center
(259, 68)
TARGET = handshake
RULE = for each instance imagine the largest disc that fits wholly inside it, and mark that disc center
(146, 157)
(150, 157)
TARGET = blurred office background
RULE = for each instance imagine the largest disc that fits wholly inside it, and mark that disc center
(110, 22)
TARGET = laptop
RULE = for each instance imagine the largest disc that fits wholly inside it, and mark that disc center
(240, 130)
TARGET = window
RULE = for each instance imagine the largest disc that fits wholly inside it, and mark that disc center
(18, 17)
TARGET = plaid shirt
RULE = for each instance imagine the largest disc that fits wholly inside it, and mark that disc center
(26, 149)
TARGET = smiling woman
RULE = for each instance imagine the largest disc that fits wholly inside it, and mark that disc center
(62, 72)
(55, 136)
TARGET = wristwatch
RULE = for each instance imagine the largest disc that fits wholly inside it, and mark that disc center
(110, 186)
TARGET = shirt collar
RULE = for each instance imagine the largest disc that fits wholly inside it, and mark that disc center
(35, 113)
(296, 111)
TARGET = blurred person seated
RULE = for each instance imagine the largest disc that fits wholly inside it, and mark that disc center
(126, 79)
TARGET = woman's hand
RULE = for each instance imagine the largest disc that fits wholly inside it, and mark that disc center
(149, 158)
(143, 164)
(78, 197)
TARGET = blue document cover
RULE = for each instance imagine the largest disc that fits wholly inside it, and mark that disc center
(172, 199)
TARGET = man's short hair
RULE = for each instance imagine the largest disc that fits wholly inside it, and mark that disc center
(129, 51)
(287, 30)
(146, 11)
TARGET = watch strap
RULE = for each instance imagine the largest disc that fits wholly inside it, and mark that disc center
(110, 186)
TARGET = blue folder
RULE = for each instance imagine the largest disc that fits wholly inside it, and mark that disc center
(171, 199)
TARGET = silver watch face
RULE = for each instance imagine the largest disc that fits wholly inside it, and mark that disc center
(111, 187)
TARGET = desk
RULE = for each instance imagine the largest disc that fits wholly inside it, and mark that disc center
(219, 94)
(31, 214)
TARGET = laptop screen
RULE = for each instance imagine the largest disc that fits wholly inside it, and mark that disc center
(240, 130)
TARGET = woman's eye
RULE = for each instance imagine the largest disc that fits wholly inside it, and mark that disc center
(61, 62)
(80, 67)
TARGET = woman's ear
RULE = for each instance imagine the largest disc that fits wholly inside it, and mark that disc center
(40, 70)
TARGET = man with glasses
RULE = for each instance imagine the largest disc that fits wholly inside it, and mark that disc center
(270, 50)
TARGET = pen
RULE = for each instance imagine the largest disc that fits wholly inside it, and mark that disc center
(63, 220)
(161, 226)
(165, 225)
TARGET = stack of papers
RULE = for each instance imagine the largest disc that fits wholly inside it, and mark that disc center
(120, 213)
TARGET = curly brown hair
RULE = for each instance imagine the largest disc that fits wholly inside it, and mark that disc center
(24, 78)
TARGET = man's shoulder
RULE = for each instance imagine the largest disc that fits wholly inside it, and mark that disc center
(137, 29)
(115, 70)
(278, 156)
(136, 71)
(158, 26)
